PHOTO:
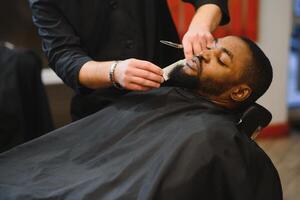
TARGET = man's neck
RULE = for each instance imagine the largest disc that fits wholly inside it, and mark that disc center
(221, 100)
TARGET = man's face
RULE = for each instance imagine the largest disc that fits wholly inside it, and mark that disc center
(217, 69)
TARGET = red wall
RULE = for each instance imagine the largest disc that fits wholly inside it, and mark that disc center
(244, 18)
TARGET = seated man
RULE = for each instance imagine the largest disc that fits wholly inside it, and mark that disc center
(171, 143)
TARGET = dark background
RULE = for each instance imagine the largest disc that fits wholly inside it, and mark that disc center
(16, 26)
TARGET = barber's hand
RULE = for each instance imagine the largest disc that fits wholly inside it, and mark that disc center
(133, 74)
(196, 40)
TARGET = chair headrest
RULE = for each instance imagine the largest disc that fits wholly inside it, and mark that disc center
(253, 118)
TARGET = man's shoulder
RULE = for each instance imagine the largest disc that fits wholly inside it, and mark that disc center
(167, 94)
(216, 129)
(162, 96)
(222, 141)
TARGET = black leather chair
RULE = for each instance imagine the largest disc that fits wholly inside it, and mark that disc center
(253, 119)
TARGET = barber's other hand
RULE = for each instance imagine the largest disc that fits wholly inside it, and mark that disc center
(196, 40)
(139, 75)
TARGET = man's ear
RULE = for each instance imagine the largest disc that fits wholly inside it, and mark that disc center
(240, 93)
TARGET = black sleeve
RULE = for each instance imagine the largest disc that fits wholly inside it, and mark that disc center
(223, 5)
(59, 42)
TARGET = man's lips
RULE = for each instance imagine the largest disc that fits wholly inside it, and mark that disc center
(195, 64)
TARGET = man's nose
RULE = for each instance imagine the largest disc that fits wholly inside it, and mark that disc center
(206, 55)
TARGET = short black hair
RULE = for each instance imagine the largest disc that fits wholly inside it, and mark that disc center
(258, 73)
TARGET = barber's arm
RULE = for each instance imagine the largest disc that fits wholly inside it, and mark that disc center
(59, 42)
(208, 16)
(130, 74)
(72, 64)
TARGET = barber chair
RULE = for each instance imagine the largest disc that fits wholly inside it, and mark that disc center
(253, 119)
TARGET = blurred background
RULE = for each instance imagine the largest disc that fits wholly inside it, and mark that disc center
(273, 24)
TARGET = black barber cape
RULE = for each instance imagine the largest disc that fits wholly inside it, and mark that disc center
(165, 144)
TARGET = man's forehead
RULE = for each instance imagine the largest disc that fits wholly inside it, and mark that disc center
(236, 46)
(231, 42)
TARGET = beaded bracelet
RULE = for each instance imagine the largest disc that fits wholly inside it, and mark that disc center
(111, 75)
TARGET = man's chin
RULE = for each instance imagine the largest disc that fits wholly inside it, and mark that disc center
(180, 77)
(189, 70)
(192, 67)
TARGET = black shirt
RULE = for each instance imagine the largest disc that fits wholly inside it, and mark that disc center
(76, 31)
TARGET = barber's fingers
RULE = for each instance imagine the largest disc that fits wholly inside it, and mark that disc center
(207, 41)
(148, 75)
(145, 70)
(133, 72)
(145, 78)
(132, 65)
(210, 41)
(197, 48)
(194, 42)
(148, 66)
(144, 82)
(187, 47)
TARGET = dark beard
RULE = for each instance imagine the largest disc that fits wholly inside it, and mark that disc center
(179, 79)
(205, 86)
(211, 87)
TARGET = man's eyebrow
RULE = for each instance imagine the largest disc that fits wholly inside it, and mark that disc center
(229, 53)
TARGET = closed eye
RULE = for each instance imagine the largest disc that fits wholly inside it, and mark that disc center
(221, 63)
